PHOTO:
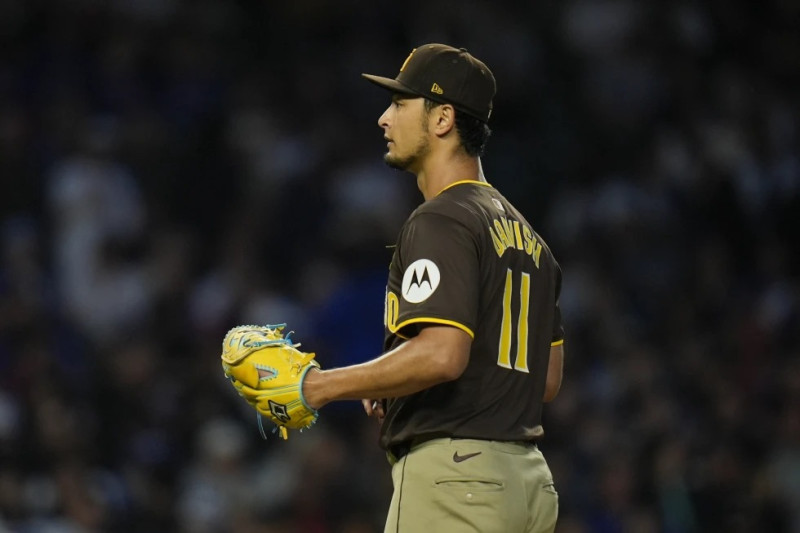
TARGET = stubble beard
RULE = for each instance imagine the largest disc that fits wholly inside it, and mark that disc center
(409, 162)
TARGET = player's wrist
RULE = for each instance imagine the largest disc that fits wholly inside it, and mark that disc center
(313, 392)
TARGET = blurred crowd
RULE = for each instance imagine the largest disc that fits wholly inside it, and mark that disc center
(172, 168)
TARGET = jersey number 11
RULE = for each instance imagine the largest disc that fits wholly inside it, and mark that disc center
(504, 349)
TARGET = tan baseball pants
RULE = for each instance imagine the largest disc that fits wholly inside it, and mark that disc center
(472, 486)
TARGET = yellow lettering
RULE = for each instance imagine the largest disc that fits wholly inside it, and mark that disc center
(509, 227)
(392, 310)
(499, 247)
(536, 253)
(517, 235)
(529, 240)
(512, 234)
(501, 232)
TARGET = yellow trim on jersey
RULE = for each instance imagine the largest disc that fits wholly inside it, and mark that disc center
(401, 325)
(475, 182)
(557, 343)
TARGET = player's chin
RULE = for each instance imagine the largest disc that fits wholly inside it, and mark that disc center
(394, 161)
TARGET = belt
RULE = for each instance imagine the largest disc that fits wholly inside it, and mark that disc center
(401, 449)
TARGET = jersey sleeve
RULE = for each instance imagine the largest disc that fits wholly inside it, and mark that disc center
(438, 257)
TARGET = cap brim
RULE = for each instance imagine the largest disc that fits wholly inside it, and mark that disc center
(389, 84)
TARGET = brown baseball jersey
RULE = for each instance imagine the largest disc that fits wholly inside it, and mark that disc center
(468, 259)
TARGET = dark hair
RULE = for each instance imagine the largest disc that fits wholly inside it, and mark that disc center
(472, 132)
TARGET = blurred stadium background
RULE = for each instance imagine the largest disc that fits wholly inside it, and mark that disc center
(171, 168)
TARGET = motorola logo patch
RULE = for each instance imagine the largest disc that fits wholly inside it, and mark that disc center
(420, 280)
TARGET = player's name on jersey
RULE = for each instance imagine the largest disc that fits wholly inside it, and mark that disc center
(511, 234)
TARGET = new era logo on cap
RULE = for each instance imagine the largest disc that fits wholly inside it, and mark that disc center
(446, 75)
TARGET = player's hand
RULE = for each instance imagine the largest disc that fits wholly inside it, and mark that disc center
(373, 408)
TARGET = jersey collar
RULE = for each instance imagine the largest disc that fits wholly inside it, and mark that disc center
(474, 182)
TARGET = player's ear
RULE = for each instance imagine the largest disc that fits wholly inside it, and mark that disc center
(445, 117)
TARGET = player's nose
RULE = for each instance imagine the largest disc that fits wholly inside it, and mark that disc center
(383, 120)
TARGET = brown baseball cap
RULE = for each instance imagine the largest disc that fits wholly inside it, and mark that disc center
(446, 75)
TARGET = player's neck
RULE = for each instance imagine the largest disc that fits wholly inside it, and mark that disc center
(440, 172)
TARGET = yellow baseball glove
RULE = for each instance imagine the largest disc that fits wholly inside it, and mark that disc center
(267, 370)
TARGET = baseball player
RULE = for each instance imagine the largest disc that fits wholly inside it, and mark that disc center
(473, 331)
